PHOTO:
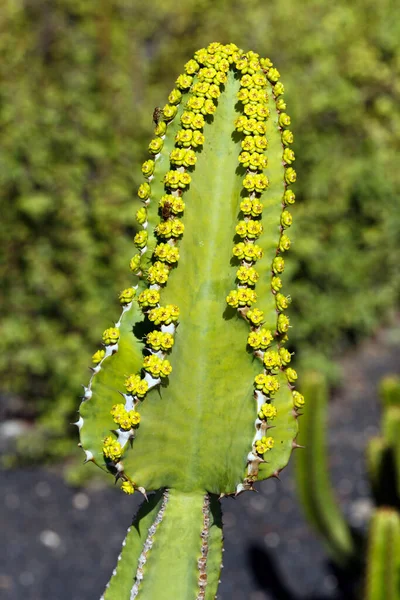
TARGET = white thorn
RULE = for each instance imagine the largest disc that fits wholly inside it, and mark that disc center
(89, 455)
(79, 423)
(143, 491)
(240, 488)
(123, 436)
(151, 380)
(260, 397)
(251, 456)
(88, 393)
(110, 350)
(129, 402)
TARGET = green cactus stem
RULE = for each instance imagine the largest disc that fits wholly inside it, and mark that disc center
(193, 391)
(389, 391)
(383, 452)
(383, 574)
(312, 475)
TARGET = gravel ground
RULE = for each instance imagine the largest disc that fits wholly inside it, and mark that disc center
(61, 543)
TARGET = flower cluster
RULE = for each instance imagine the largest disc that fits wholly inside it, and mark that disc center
(158, 340)
(128, 487)
(241, 297)
(263, 445)
(172, 205)
(98, 356)
(148, 298)
(158, 273)
(164, 315)
(136, 386)
(111, 336)
(156, 366)
(125, 419)
(111, 448)
(267, 411)
(253, 125)
(170, 229)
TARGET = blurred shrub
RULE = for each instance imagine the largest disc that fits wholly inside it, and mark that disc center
(80, 79)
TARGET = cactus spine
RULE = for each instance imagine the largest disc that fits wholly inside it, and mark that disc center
(193, 392)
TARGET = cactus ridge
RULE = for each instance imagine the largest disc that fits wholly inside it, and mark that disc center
(147, 546)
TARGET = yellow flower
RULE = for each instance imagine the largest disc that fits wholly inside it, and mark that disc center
(112, 449)
(131, 383)
(283, 323)
(298, 399)
(167, 341)
(266, 338)
(232, 299)
(140, 239)
(276, 283)
(184, 82)
(127, 487)
(165, 368)
(141, 215)
(111, 336)
(98, 356)
(272, 360)
(141, 388)
(154, 339)
(268, 411)
(291, 375)
(148, 168)
(271, 385)
(156, 145)
(285, 356)
(255, 316)
(264, 445)
(134, 417)
(134, 263)
(253, 340)
(144, 191)
(126, 296)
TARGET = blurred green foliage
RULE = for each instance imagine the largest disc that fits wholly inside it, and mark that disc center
(80, 80)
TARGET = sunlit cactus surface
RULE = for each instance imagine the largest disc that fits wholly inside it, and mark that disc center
(192, 395)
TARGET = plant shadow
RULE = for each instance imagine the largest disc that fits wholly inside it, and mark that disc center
(268, 578)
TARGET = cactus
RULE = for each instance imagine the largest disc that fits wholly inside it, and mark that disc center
(315, 491)
(383, 452)
(383, 460)
(383, 573)
(192, 395)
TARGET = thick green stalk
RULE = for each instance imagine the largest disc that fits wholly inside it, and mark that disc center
(383, 574)
(193, 392)
(312, 474)
(389, 391)
(380, 470)
(192, 519)
(383, 453)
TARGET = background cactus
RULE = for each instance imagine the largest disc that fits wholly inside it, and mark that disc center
(192, 394)
(346, 546)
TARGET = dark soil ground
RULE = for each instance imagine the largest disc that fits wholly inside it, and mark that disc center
(61, 543)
